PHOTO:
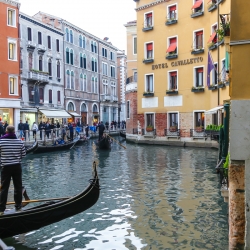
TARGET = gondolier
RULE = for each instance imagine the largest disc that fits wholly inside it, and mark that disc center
(12, 150)
(101, 129)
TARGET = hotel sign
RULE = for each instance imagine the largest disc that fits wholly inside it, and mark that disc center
(177, 63)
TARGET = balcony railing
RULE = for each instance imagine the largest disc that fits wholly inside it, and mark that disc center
(30, 44)
(131, 79)
(195, 133)
(114, 98)
(41, 48)
(171, 132)
(38, 76)
(106, 98)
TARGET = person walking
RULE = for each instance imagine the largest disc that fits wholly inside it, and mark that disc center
(41, 128)
(87, 130)
(21, 129)
(34, 129)
(26, 130)
(101, 129)
(1, 129)
(5, 126)
(10, 161)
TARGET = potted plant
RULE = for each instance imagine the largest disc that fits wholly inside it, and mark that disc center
(172, 128)
(199, 129)
(149, 128)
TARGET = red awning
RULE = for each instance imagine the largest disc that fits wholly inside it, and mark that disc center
(172, 47)
(197, 4)
(172, 8)
(149, 15)
(173, 73)
(172, 40)
(149, 46)
(212, 37)
(199, 33)
(199, 70)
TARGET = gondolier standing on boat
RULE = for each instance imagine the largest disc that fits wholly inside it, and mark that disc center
(12, 150)
(101, 129)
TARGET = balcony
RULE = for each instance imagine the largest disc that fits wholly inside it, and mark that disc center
(171, 21)
(197, 13)
(212, 46)
(147, 28)
(41, 48)
(114, 98)
(171, 55)
(212, 7)
(148, 60)
(38, 76)
(105, 98)
(30, 45)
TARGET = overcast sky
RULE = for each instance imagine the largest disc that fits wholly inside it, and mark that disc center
(102, 18)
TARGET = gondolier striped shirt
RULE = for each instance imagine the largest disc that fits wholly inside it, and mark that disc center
(11, 151)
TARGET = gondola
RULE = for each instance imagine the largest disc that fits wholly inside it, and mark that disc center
(104, 143)
(123, 134)
(55, 147)
(31, 148)
(29, 219)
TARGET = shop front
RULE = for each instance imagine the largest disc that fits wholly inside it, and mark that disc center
(95, 119)
(29, 115)
(53, 116)
(5, 115)
(74, 117)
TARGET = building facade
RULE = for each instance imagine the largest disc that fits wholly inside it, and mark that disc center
(177, 94)
(9, 63)
(42, 70)
(90, 71)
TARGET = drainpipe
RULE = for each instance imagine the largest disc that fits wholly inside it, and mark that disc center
(218, 54)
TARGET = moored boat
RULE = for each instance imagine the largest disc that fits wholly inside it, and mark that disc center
(123, 134)
(13, 223)
(104, 143)
(31, 148)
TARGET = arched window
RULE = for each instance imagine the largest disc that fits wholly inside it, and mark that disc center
(30, 61)
(68, 79)
(95, 47)
(40, 63)
(58, 71)
(93, 85)
(95, 108)
(85, 83)
(81, 60)
(83, 108)
(105, 87)
(70, 106)
(84, 61)
(84, 43)
(41, 95)
(71, 36)
(67, 34)
(71, 57)
(81, 82)
(72, 80)
(67, 55)
(96, 83)
(92, 46)
(80, 41)
(50, 67)
(93, 64)
(50, 95)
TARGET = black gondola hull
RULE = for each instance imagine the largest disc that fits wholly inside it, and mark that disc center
(40, 216)
(104, 143)
(32, 148)
(122, 134)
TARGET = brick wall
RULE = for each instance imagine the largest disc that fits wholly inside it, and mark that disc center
(186, 123)
(160, 123)
(131, 123)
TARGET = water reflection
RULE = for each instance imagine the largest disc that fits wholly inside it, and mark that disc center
(152, 197)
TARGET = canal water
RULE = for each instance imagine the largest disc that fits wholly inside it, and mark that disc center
(152, 198)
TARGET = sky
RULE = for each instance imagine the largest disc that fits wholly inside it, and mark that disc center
(102, 18)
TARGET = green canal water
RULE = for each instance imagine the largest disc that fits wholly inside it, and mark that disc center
(152, 197)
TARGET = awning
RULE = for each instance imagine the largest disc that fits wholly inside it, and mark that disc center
(74, 114)
(55, 113)
(172, 47)
(197, 4)
(212, 37)
(28, 110)
(213, 110)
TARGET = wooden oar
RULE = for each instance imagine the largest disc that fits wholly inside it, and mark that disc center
(41, 200)
(116, 141)
(74, 144)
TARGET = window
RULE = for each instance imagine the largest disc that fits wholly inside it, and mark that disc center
(199, 77)
(96, 88)
(71, 36)
(172, 13)
(81, 82)
(135, 45)
(150, 120)
(67, 55)
(57, 45)
(84, 61)
(85, 83)
(67, 34)
(84, 43)
(40, 66)
(58, 97)
(50, 95)
(12, 50)
(41, 95)
(173, 119)
(112, 56)
(81, 60)
(172, 49)
(11, 17)
(149, 86)
(128, 109)
(83, 108)
(31, 97)
(112, 71)
(214, 74)
(135, 76)
(92, 46)
(148, 20)
(213, 38)
(172, 80)
(105, 87)
(113, 89)
(13, 88)
(223, 71)
(198, 6)
(95, 109)
(50, 67)
(71, 57)
(71, 106)
(92, 84)
(72, 80)
(80, 41)
(58, 69)
(29, 34)
(49, 42)
(30, 61)
(199, 119)
(39, 37)
(198, 40)
(149, 50)
(94, 65)
(104, 52)
(95, 47)
(68, 79)
(105, 69)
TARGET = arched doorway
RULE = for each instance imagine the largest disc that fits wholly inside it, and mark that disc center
(84, 113)
(95, 114)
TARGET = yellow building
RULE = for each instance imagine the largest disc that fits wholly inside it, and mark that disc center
(174, 39)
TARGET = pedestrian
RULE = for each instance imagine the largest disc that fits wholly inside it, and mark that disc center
(26, 130)
(101, 130)
(1, 129)
(34, 129)
(58, 128)
(47, 129)
(11, 168)
(21, 129)
(41, 128)
(107, 125)
(71, 131)
(63, 132)
(87, 130)
(5, 126)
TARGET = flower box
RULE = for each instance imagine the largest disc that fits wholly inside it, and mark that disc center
(198, 13)
(172, 92)
(173, 129)
(169, 22)
(197, 90)
(148, 60)
(171, 56)
(197, 51)
(212, 87)
(221, 85)
(199, 129)
(148, 94)
(212, 47)
(212, 7)
(147, 28)
(149, 129)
